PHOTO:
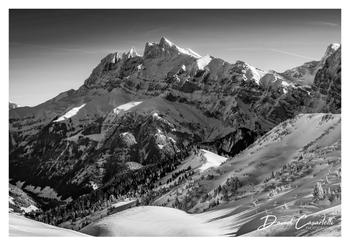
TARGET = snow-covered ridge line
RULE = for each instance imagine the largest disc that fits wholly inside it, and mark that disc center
(193, 52)
(181, 50)
(70, 113)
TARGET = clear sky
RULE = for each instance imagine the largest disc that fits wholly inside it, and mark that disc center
(52, 51)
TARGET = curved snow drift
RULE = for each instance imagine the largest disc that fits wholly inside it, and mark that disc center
(151, 221)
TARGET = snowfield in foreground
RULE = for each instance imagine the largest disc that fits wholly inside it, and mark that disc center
(21, 226)
(151, 221)
(212, 160)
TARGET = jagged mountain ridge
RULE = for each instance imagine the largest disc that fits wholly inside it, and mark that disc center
(186, 100)
(305, 74)
(328, 81)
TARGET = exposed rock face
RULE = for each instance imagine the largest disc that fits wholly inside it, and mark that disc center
(152, 108)
(304, 74)
(331, 49)
(235, 142)
(128, 139)
(328, 82)
(20, 201)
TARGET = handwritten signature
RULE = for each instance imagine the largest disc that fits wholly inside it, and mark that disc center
(299, 223)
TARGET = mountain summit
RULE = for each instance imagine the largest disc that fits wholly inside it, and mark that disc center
(166, 48)
(329, 51)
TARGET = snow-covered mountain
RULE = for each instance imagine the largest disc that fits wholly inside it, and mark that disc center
(154, 110)
(305, 74)
(152, 221)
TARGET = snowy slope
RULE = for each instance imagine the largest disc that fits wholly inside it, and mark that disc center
(203, 62)
(181, 50)
(151, 221)
(70, 113)
(125, 107)
(309, 143)
(21, 226)
(211, 160)
(255, 73)
(284, 143)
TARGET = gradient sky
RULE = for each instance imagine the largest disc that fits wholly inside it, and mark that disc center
(52, 51)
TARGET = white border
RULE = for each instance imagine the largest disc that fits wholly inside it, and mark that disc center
(5, 5)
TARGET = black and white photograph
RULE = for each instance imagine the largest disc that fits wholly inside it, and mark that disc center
(174, 122)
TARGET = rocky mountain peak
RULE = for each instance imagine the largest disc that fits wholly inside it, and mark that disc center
(166, 48)
(332, 48)
(131, 53)
(328, 81)
(329, 51)
(164, 42)
(249, 72)
(115, 58)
